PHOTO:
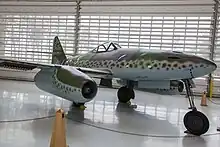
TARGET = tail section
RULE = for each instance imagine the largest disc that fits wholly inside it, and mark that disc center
(58, 55)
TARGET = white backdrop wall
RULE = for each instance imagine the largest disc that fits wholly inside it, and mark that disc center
(27, 28)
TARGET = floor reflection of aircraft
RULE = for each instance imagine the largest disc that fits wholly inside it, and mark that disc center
(71, 78)
(75, 115)
(189, 140)
(123, 119)
(144, 124)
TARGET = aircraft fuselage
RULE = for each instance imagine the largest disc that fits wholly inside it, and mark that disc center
(137, 64)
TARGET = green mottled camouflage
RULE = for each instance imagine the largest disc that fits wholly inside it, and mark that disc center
(136, 59)
(70, 78)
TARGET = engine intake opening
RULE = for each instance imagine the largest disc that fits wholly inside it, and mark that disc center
(89, 90)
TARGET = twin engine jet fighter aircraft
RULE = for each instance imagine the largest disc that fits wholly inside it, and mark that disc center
(72, 77)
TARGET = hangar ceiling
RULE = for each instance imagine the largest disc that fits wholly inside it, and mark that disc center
(28, 27)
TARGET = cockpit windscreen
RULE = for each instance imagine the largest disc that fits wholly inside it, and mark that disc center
(106, 47)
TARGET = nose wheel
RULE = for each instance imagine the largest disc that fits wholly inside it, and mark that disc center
(195, 121)
(126, 93)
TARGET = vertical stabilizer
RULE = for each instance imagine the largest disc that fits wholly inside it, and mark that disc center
(58, 56)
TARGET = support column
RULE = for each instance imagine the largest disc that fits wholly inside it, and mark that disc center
(77, 28)
(213, 38)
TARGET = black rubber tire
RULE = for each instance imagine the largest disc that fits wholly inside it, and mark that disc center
(196, 122)
(125, 94)
(180, 87)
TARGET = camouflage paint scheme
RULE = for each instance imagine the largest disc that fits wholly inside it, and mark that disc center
(138, 64)
(68, 79)
(62, 82)
(65, 77)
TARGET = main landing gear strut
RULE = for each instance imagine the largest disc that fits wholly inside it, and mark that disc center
(195, 121)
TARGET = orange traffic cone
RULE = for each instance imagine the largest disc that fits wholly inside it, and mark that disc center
(203, 100)
(58, 138)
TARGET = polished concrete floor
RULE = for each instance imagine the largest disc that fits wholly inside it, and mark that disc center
(27, 114)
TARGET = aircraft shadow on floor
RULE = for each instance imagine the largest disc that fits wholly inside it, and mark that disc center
(189, 140)
(127, 120)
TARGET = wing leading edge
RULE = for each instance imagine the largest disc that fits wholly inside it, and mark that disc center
(24, 65)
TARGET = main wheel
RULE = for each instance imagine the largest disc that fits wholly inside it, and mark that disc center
(180, 87)
(125, 94)
(196, 122)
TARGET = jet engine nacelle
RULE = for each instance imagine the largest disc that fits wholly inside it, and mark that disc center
(67, 82)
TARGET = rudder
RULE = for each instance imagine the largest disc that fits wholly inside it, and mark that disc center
(58, 55)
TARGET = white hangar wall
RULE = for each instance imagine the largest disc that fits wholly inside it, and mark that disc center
(27, 28)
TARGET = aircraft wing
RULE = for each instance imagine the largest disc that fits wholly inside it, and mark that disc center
(24, 65)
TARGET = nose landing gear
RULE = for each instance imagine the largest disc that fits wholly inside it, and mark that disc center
(195, 121)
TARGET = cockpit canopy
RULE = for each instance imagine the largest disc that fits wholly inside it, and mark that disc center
(106, 47)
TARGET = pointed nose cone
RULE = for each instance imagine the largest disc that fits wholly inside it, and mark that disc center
(207, 68)
(209, 64)
(202, 66)
(213, 65)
